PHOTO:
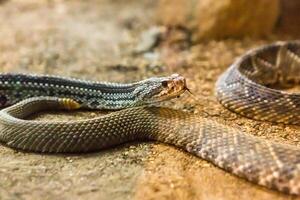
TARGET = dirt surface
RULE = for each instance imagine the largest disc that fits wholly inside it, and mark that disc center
(94, 40)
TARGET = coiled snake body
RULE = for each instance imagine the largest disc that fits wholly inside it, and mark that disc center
(243, 88)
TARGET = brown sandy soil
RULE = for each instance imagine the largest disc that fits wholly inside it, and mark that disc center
(87, 39)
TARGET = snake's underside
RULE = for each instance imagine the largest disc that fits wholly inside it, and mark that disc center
(244, 88)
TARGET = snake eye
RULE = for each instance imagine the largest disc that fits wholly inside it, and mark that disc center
(164, 83)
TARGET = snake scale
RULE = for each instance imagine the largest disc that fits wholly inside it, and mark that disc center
(245, 88)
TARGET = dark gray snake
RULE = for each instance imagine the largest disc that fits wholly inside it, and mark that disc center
(244, 88)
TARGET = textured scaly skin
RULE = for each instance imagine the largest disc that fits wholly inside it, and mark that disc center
(266, 163)
(245, 87)
(92, 95)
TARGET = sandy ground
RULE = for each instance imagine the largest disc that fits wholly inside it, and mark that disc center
(94, 40)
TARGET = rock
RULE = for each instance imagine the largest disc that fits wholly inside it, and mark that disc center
(177, 12)
(289, 21)
(212, 19)
(149, 39)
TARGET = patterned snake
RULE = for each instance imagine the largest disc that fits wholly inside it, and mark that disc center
(245, 88)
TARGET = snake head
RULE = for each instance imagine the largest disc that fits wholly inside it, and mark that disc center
(159, 89)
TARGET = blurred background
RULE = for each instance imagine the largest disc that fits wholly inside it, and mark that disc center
(56, 36)
(125, 41)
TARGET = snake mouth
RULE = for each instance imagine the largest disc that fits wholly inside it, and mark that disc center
(172, 88)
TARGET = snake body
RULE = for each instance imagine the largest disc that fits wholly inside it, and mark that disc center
(247, 87)
(266, 163)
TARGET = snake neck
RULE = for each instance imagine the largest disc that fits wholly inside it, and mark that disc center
(92, 95)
